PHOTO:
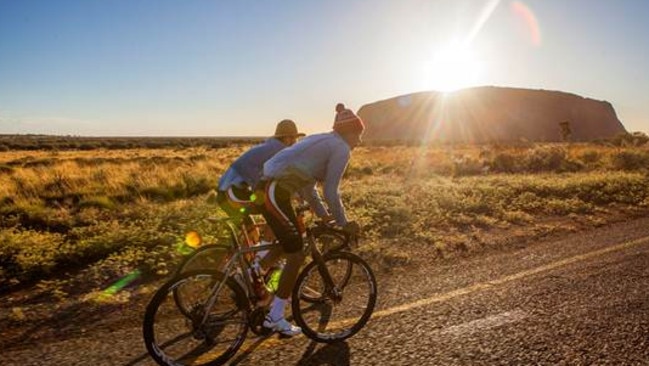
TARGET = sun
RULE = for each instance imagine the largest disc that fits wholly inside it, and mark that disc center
(453, 67)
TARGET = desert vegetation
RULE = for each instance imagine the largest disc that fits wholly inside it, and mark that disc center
(54, 143)
(82, 219)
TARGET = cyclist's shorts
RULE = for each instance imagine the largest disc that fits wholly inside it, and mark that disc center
(236, 202)
(280, 215)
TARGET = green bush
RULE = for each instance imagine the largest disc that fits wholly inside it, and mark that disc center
(28, 253)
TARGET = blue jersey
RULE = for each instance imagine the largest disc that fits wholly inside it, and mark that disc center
(247, 169)
(316, 158)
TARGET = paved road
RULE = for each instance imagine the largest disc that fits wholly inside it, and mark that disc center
(579, 301)
(583, 299)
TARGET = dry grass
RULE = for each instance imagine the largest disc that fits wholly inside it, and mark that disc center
(109, 212)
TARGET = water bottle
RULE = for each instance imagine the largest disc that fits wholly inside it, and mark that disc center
(272, 279)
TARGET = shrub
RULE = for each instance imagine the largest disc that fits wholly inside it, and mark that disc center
(357, 172)
(28, 253)
(630, 139)
(465, 166)
(545, 159)
(158, 194)
(630, 160)
(193, 185)
(591, 158)
(528, 202)
(6, 169)
(101, 202)
(504, 162)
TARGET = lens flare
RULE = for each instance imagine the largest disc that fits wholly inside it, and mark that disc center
(525, 13)
(193, 239)
(122, 282)
(109, 294)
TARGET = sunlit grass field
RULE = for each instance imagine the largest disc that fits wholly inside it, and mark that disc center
(109, 212)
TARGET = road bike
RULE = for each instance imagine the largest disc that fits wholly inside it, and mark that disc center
(215, 256)
(202, 316)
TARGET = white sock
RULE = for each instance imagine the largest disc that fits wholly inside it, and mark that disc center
(277, 309)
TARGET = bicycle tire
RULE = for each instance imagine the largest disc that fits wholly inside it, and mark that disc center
(360, 297)
(208, 257)
(325, 240)
(228, 318)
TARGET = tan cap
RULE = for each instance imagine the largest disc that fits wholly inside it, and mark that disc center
(287, 128)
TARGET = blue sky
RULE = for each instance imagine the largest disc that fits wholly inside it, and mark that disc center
(223, 68)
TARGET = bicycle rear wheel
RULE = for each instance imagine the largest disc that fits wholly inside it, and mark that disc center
(174, 338)
(341, 311)
(207, 258)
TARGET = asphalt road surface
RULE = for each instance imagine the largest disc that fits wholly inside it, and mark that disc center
(578, 300)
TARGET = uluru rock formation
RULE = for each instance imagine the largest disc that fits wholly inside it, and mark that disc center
(489, 114)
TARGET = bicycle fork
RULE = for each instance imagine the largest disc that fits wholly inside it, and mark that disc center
(331, 290)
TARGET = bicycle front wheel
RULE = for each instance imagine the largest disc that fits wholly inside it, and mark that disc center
(204, 336)
(341, 310)
(327, 241)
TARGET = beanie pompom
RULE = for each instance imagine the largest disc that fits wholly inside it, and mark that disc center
(347, 121)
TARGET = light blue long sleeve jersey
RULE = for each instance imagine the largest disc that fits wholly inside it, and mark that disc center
(316, 158)
(248, 167)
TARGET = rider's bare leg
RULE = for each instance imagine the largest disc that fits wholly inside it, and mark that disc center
(271, 257)
(289, 274)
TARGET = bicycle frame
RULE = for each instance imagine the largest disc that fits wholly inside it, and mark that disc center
(238, 258)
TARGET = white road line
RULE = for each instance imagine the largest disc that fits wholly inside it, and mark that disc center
(485, 285)
(506, 279)
(485, 323)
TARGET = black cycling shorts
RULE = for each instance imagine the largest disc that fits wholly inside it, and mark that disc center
(236, 202)
(276, 207)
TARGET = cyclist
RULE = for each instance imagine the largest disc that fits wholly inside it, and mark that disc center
(236, 184)
(317, 158)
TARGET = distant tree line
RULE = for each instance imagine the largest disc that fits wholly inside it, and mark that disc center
(48, 142)
(623, 139)
(628, 139)
(53, 143)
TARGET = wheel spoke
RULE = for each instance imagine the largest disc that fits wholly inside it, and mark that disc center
(171, 336)
(333, 314)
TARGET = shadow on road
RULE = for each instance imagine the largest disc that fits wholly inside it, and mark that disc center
(69, 321)
(244, 353)
(331, 354)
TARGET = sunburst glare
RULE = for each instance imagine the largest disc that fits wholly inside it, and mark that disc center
(453, 67)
